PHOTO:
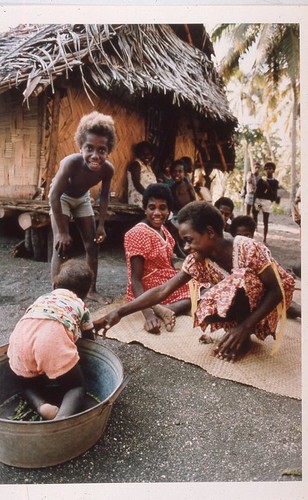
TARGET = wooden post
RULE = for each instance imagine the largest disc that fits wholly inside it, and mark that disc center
(53, 142)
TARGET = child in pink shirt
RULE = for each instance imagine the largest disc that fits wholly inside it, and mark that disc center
(43, 343)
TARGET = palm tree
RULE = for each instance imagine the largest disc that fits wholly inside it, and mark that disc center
(276, 62)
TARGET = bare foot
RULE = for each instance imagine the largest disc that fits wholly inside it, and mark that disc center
(97, 297)
(48, 411)
(166, 315)
(206, 339)
(294, 311)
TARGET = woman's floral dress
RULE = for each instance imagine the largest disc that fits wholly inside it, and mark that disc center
(157, 253)
(249, 259)
(147, 177)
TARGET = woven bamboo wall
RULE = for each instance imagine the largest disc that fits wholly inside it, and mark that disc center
(19, 147)
(130, 129)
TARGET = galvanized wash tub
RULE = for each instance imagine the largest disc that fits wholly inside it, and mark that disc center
(46, 443)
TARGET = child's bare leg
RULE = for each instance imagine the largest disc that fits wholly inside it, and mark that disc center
(43, 408)
(166, 314)
(182, 306)
(71, 403)
(265, 225)
(87, 229)
(56, 259)
(73, 399)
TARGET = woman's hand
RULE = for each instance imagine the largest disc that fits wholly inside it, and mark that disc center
(152, 324)
(103, 324)
(234, 344)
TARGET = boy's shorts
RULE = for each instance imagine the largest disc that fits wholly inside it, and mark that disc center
(41, 346)
(76, 207)
(249, 198)
(264, 205)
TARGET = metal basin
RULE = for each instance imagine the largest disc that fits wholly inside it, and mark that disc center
(46, 443)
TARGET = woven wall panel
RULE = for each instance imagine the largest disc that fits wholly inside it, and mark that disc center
(18, 146)
(130, 128)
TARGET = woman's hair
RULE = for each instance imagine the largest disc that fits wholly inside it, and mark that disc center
(140, 146)
(158, 191)
(202, 214)
(74, 275)
(227, 202)
(242, 220)
(99, 124)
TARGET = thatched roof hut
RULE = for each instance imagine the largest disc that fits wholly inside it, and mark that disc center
(157, 81)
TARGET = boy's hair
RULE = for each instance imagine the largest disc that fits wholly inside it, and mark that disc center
(227, 202)
(74, 275)
(179, 162)
(96, 123)
(188, 163)
(242, 220)
(140, 146)
(269, 164)
(158, 191)
(202, 214)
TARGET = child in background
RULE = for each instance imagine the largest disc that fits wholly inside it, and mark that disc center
(182, 190)
(69, 194)
(140, 173)
(42, 345)
(225, 206)
(243, 292)
(189, 167)
(244, 225)
(165, 175)
(265, 195)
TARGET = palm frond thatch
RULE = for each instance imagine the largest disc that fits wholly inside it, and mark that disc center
(140, 58)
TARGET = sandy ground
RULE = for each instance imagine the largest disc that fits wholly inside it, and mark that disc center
(173, 422)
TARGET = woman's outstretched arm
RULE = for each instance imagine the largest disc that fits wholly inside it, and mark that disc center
(147, 299)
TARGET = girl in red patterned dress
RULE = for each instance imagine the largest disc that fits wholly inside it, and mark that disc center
(241, 288)
(148, 250)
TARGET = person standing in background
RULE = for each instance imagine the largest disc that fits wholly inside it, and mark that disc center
(140, 173)
(265, 195)
(250, 187)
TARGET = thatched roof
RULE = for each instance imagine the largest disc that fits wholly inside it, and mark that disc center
(141, 58)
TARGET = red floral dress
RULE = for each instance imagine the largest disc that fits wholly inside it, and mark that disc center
(249, 259)
(157, 253)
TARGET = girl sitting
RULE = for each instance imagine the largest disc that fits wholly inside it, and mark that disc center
(148, 250)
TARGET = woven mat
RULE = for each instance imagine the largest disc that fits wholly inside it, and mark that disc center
(279, 373)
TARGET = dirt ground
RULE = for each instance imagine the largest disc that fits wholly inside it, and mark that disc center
(23, 280)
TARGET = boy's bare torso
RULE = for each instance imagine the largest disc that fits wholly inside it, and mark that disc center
(182, 193)
(79, 178)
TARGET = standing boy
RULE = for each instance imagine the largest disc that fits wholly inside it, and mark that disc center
(250, 186)
(266, 193)
(69, 195)
(182, 190)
